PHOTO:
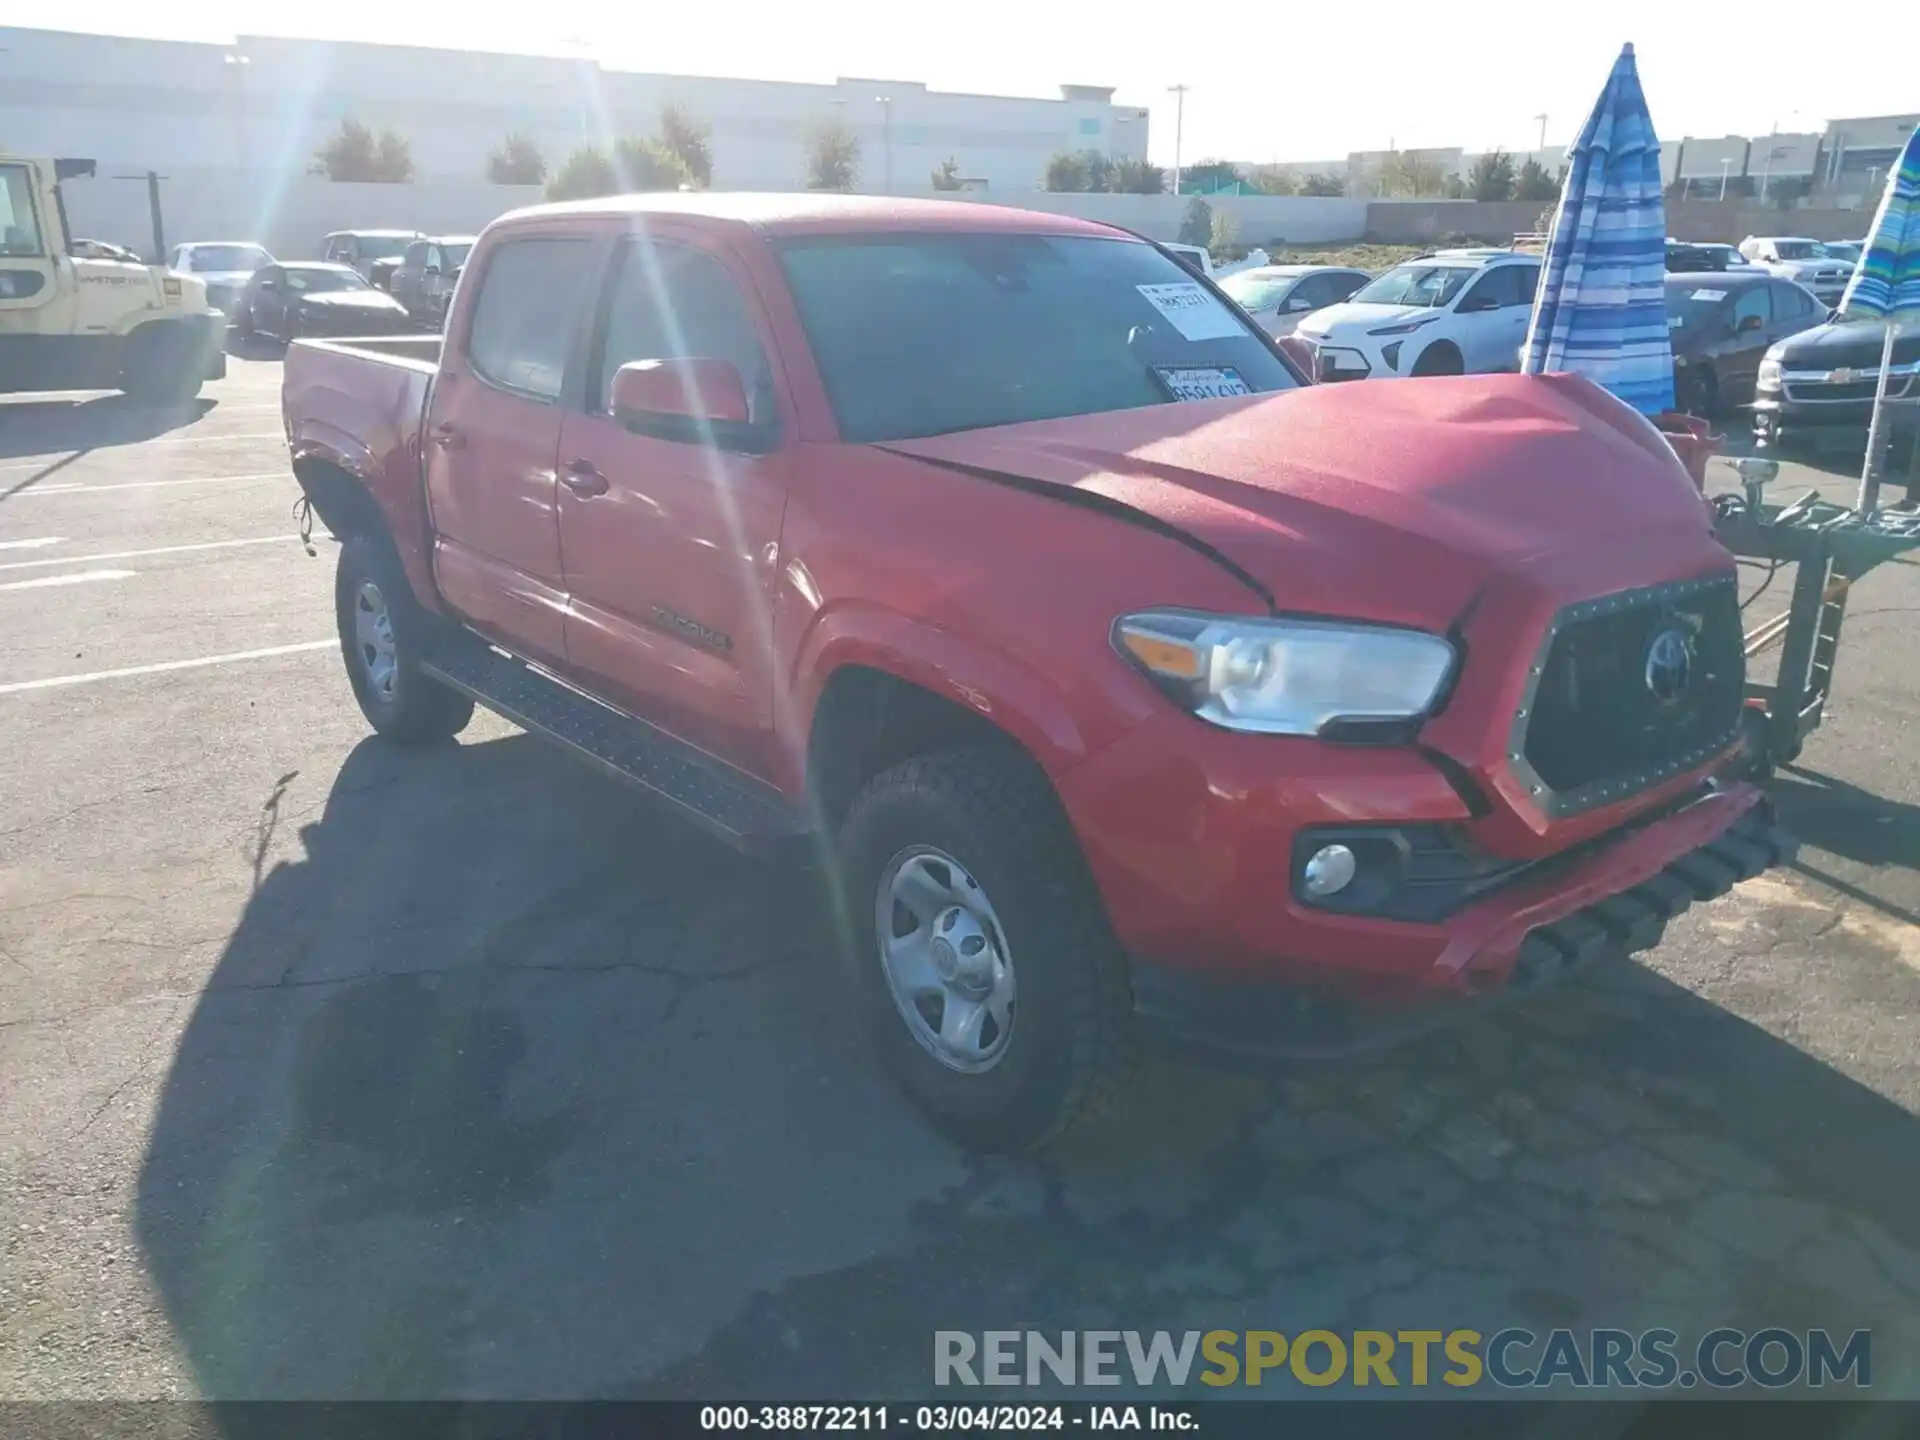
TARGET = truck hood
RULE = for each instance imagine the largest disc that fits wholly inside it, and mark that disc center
(1342, 321)
(1855, 346)
(1396, 503)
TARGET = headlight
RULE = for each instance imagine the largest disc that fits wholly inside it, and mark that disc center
(1286, 677)
(1405, 327)
(1769, 376)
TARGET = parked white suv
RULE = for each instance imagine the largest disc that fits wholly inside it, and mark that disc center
(1795, 257)
(1450, 313)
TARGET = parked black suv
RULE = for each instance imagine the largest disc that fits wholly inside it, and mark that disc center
(1822, 381)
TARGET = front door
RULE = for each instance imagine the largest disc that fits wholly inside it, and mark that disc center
(491, 429)
(671, 544)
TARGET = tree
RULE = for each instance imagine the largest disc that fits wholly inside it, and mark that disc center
(1323, 183)
(1491, 176)
(1789, 191)
(690, 141)
(1532, 182)
(833, 156)
(1139, 177)
(1101, 177)
(356, 153)
(1209, 175)
(1454, 189)
(646, 164)
(1272, 180)
(588, 172)
(947, 177)
(1066, 173)
(1222, 233)
(517, 161)
(1197, 228)
(1409, 174)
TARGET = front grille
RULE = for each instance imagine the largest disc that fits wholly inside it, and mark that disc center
(1629, 690)
(1818, 391)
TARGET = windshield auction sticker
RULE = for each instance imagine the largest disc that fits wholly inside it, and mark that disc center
(1193, 311)
(1202, 382)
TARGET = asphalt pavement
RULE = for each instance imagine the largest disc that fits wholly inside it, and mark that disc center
(332, 1071)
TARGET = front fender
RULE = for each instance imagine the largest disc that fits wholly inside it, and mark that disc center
(1028, 706)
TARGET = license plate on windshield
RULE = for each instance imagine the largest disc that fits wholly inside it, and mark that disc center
(1202, 382)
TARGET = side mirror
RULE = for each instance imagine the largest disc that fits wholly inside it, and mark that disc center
(1747, 322)
(1476, 304)
(431, 270)
(696, 400)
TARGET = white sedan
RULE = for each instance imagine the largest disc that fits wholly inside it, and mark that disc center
(1279, 297)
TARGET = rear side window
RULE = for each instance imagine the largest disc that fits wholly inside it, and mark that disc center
(415, 257)
(524, 316)
(1790, 302)
(1750, 304)
(1340, 287)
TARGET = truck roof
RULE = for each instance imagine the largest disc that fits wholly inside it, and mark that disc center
(831, 214)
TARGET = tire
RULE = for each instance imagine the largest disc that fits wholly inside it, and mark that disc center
(400, 701)
(985, 819)
(1441, 358)
(243, 322)
(161, 368)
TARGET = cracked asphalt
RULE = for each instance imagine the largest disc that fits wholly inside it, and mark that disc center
(329, 1071)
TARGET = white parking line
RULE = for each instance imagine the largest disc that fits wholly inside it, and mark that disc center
(55, 681)
(38, 462)
(288, 539)
(82, 578)
(39, 544)
(66, 489)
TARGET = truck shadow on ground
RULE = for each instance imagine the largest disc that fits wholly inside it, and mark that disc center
(30, 428)
(511, 1088)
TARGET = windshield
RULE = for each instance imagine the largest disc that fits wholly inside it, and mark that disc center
(1800, 250)
(455, 254)
(1692, 307)
(1256, 293)
(925, 334)
(1841, 250)
(381, 247)
(219, 258)
(313, 282)
(1428, 285)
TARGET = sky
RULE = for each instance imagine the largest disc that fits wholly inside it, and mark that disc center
(1264, 83)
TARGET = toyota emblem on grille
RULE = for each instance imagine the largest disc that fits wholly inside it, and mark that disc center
(1669, 670)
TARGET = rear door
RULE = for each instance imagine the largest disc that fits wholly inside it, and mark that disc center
(1750, 331)
(410, 275)
(267, 300)
(669, 535)
(491, 431)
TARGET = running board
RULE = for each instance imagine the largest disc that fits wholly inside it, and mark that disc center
(739, 809)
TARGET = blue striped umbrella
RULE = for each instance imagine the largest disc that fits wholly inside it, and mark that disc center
(1886, 284)
(1602, 306)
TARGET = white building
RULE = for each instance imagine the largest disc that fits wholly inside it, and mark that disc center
(265, 103)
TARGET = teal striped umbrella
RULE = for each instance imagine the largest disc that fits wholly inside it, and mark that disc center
(1886, 285)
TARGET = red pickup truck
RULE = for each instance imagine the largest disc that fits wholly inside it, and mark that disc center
(1123, 674)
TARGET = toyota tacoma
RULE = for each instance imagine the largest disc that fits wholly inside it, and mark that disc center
(1127, 680)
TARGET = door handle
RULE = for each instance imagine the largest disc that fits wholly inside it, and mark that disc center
(448, 438)
(583, 480)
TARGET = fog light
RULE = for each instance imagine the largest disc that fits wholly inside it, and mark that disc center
(1328, 871)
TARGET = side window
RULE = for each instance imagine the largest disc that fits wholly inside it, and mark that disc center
(673, 302)
(19, 229)
(1526, 284)
(530, 298)
(1749, 304)
(1493, 290)
(415, 256)
(1315, 290)
(1343, 286)
(432, 259)
(1790, 302)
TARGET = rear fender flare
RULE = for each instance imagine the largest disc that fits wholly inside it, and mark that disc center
(332, 466)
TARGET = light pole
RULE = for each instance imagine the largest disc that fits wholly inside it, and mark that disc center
(1543, 130)
(1726, 168)
(237, 67)
(1179, 93)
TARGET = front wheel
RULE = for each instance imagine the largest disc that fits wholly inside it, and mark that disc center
(1695, 392)
(383, 634)
(1439, 359)
(980, 951)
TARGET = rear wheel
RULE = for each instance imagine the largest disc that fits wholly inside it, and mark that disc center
(162, 365)
(1441, 358)
(980, 952)
(1696, 392)
(383, 633)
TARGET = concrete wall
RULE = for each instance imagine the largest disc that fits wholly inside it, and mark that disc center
(290, 214)
(1419, 222)
(1410, 222)
(261, 102)
(1731, 223)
